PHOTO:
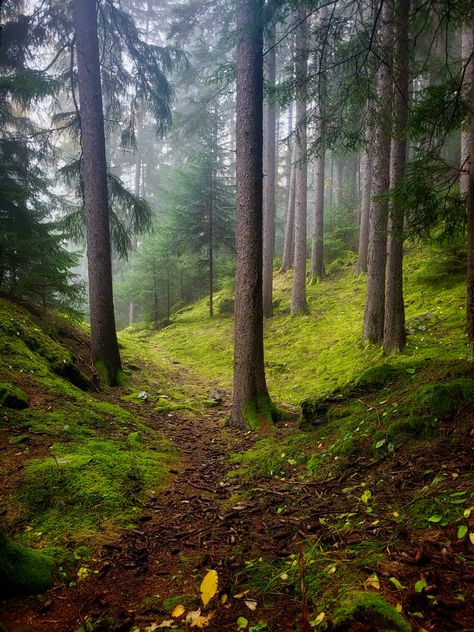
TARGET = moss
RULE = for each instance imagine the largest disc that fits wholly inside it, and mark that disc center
(442, 401)
(23, 571)
(260, 410)
(370, 609)
(375, 377)
(413, 426)
(13, 397)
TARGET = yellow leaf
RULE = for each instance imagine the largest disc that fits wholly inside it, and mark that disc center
(178, 611)
(166, 623)
(332, 570)
(242, 594)
(224, 598)
(471, 538)
(373, 581)
(209, 587)
(196, 620)
(251, 604)
(318, 619)
(396, 514)
(398, 607)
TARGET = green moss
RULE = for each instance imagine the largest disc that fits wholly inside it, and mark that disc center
(13, 397)
(412, 426)
(375, 377)
(370, 609)
(442, 401)
(23, 571)
(260, 410)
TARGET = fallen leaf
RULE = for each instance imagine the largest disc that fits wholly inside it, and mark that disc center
(251, 604)
(462, 530)
(224, 598)
(242, 623)
(166, 623)
(398, 607)
(178, 611)
(209, 587)
(318, 619)
(332, 570)
(373, 581)
(284, 576)
(471, 538)
(242, 594)
(196, 620)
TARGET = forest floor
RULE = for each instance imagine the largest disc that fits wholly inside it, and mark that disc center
(360, 522)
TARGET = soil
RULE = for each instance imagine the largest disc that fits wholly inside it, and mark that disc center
(194, 526)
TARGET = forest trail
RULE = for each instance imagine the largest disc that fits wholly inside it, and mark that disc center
(257, 532)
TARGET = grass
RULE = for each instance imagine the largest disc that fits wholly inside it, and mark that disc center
(313, 354)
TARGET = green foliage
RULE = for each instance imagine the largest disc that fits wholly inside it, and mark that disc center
(23, 571)
(370, 609)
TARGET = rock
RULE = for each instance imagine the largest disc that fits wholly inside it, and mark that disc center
(13, 397)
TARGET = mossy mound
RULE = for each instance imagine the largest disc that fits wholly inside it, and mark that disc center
(375, 378)
(370, 609)
(23, 571)
(13, 397)
(442, 401)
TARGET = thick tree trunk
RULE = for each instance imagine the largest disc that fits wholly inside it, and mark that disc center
(366, 177)
(467, 182)
(288, 242)
(375, 294)
(394, 327)
(251, 402)
(105, 352)
(298, 294)
(269, 209)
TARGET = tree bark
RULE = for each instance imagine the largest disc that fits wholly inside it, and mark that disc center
(378, 216)
(105, 352)
(269, 209)
(366, 169)
(288, 243)
(251, 402)
(467, 181)
(298, 294)
(394, 326)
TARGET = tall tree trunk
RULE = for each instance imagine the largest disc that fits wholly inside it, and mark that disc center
(269, 209)
(289, 161)
(394, 338)
(338, 183)
(467, 181)
(137, 191)
(298, 294)
(105, 351)
(375, 294)
(317, 250)
(366, 173)
(251, 402)
(288, 242)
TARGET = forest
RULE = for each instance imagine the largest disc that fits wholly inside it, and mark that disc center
(236, 315)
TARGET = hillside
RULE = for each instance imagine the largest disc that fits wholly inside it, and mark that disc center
(355, 516)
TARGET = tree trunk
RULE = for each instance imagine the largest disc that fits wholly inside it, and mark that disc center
(375, 294)
(105, 352)
(298, 294)
(338, 183)
(269, 209)
(467, 183)
(251, 402)
(394, 327)
(366, 168)
(288, 243)
(317, 251)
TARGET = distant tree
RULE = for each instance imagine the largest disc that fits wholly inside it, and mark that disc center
(251, 402)
(105, 351)
(289, 237)
(298, 294)
(366, 183)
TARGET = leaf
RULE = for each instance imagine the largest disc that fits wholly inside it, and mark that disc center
(166, 623)
(467, 513)
(251, 604)
(242, 623)
(366, 496)
(178, 611)
(396, 583)
(373, 581)
(196, 620)
(332, 569)
(318, 619)
(284, 576)
(398, 607)
(379, 444)
(142, 395)
(420, 584)
(462, 531)
(209, 587)
(471, 538)
(435, 518)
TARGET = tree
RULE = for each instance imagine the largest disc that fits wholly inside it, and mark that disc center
(366, 181)
(467, 183)
(251, 402)
(394, 335)
(269, 208)
(375, 294)
(298, 294)
(104, 346)
(289, 237)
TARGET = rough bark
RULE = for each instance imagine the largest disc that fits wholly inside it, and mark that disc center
(105, 352)
(366, 173)
(394, 326)
(251, 402)
(269, 208)
(378, 215)
(288, 242)
(467, 183)
(298, 294)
